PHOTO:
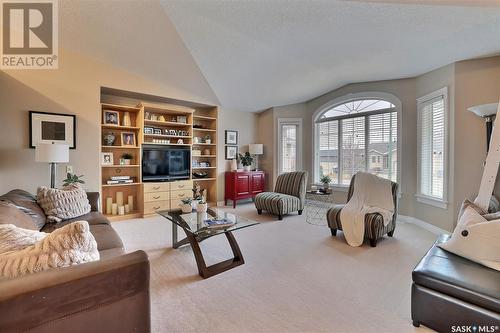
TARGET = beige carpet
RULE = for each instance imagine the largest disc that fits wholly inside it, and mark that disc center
(296, 278)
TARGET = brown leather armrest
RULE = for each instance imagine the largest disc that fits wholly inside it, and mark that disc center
(40, 299)
(93, 200)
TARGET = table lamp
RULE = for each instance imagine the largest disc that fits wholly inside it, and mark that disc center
(52, 153)
(256, 149)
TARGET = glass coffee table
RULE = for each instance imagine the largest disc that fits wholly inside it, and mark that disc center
(196, 230)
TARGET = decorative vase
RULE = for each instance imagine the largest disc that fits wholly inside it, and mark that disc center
(127, 161)
(109, 139)
(246, 167)
(196, 140)
(126, 119)
(209, 141)
(201, 207)
(326, 187)
(161, 118)
(186, 208)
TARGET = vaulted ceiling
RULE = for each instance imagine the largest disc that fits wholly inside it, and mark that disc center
(251, 55)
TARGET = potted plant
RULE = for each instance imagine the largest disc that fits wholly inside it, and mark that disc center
(325, 180)
(208, 139)
(126, 158)
(246, 160)
(186, 205)
(202, 206)
(72, 179)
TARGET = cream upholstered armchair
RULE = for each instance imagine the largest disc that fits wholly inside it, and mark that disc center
(289, 195)
(374, 223)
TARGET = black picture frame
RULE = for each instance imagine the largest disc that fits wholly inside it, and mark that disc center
(230, 142)
(30, 117)
(235, 155)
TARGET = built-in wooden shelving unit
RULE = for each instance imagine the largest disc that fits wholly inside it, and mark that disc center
(172, 124)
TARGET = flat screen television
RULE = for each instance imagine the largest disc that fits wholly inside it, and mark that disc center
(165, 163)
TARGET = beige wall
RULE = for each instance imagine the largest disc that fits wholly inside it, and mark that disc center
(243, 122)
(265, 134)
(73, 89)
(476, 82)
(426, 84)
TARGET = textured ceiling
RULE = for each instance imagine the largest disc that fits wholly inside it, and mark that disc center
(257, 54)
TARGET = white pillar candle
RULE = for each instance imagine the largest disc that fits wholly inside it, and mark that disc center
(121, 210)
(131, 202)
(119, 198)
(109, 203)
(114, 209)
(127, 209)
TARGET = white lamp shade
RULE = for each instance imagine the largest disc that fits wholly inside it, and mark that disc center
(484, 110)
(256, 149)
(52, 153)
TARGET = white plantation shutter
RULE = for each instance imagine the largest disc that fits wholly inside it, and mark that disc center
(432, 147)
(353, 148)
(382, 145)
(329, 149)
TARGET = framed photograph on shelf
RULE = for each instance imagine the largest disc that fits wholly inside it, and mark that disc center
(182, 119)
(128, 139)
(231, 137)
(148, 130)
(157, 131)
(111, 117)
(106, 158)
(45, 127)
(231, 152)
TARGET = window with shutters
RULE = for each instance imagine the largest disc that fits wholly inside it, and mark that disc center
(432, 150)
(358, 135)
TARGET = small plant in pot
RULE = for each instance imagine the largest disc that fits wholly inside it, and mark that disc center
(72, 179)
(202, 206)
(325, 180)
(246, 160)
(186, 205)
(127, 158)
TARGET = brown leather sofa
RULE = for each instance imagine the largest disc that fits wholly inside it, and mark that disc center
(109, 295)
(450, 291)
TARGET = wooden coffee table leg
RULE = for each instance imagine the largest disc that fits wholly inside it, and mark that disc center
(206, 272)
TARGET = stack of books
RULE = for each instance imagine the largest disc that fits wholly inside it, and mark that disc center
(120, 180)
(219, 223)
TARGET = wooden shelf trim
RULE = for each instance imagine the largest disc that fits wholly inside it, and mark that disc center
(204, 117)
(165, 123)
(204, 144)
(166, 144)
(168, 136)
(117, 185)
(203, 179)
(116, 107)
(204, 129)
(167, 108)
(121, 166)
(121, 147)
(120, 127)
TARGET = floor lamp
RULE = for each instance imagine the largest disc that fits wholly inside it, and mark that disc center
(256, 149)
(486, 111)
(52, 153)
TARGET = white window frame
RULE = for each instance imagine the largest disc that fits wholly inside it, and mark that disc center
(421, 101)
(290, 121)
(344, 99)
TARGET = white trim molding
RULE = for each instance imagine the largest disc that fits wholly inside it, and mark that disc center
(425, 225)
(398, 106)
(423, 198)
(298, 123)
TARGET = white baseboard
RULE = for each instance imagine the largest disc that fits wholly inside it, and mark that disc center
(425, 225)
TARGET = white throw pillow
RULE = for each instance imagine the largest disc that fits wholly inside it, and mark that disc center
(476, 239)
(62, 204)
(69, 245)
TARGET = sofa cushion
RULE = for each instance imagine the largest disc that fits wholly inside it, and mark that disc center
(11, 214)
(26, 202)
(458, 277)
(106, 237)
(92, 218)
(63, 204)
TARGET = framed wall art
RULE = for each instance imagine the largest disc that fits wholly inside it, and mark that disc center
(231, 137)
(231, 152)
(46, 127)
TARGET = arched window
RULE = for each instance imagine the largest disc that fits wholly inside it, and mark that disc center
(358, 134)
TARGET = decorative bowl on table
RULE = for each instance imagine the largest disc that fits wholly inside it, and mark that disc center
(200, 174)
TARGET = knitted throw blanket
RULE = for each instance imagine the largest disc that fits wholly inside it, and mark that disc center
(62, 204)
(69, 245)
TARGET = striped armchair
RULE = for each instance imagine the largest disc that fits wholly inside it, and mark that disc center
(289, 195)
(374, 223)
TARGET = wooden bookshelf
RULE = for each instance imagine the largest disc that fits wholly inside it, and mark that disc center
(161, 124)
